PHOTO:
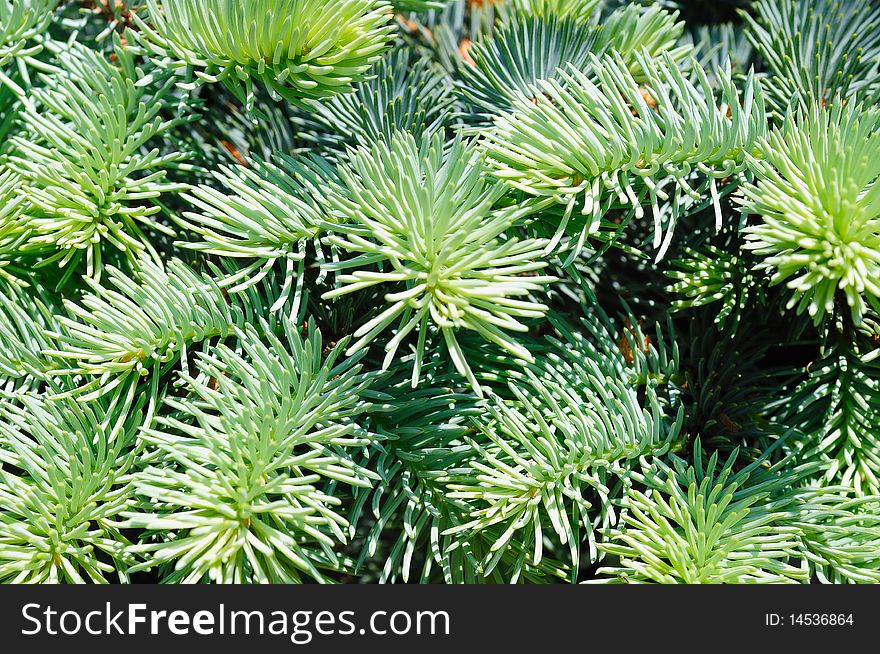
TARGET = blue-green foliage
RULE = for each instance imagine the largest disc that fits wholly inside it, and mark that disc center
(441, 291)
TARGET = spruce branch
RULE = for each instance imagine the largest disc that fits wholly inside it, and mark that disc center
(13, 230)
(817, 50)
(518, 54)
(64, 483)
(296, 49)
(407, 91)
(550, 459)
(423, 219)
(817, 194)
(715, 45)
(707, 522)
(603, 139)
(421, 435)
(836, 407)
(650, 31)
(709, 275)
(268, 213)
(22, 26)
(841, 538)
(90, 180)
(312, 291)
(27, 316)
(140, 325)
(238, 492)
(424, 438)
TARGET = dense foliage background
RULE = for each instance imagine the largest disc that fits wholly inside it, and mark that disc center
(440, 291)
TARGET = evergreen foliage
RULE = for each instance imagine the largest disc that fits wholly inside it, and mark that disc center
(439, 291)
(89, 179)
